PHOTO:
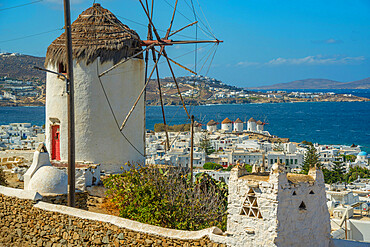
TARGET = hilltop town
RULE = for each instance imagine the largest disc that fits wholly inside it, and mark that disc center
(196, 90)
(239, 142)
(22, 85)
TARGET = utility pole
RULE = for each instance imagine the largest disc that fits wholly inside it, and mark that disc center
(192, 148)
(345, 225)
(70, 105)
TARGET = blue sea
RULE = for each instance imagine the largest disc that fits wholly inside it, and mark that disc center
(322, 122)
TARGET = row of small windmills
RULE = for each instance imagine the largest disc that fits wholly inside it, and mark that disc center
(237, 125)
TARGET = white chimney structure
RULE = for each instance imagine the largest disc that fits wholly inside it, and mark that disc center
(252, 125)
(238, 125)
(227, 125)
(211, 126)
(99, 41)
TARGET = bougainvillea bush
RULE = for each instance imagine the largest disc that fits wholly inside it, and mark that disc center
(166, 197)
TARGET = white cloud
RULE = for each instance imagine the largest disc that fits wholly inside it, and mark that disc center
(246, 64)
(315, 60)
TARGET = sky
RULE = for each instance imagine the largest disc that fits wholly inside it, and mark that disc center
(264, 41)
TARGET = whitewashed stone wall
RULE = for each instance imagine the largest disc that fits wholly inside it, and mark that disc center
(98, 138)
(282, 222)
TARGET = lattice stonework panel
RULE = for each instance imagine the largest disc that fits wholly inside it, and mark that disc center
(250, 206)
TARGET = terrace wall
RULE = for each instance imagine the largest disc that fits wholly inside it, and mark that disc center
(26, 222)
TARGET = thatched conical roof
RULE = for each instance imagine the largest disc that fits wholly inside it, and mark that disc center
(226, 121)
(238, 121)
(196, 124)
(259, 122)
(251, 120)
(96, 33)
(211, 123)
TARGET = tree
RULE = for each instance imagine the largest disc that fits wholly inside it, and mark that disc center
(205, 144)
(355, 172)
(349, 157)
(212, 166)
(338, 172)
(311, 158)
(248, 167)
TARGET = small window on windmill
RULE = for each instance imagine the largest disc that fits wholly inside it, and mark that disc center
(250, 206)
(311, 192)
(62, 68)
(294, 194)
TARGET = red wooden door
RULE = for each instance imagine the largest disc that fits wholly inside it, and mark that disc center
(55, 142)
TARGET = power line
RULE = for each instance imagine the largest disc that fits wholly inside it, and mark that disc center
(187, 53)
(204, 31)
(210, 63)
(32, 35)
(198, 18)
(13, 7)
(146, 26)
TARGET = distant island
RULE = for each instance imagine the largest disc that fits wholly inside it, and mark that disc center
(21, 85)
(318, 84)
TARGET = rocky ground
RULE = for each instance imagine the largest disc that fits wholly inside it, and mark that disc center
(24, 225)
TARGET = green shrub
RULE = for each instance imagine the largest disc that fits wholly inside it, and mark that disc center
(2, 178)
(159, 127)
(248, 167)
(212, 166)
(166, 198)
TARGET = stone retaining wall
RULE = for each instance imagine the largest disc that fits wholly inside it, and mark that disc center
(25, 224)
(81, 200)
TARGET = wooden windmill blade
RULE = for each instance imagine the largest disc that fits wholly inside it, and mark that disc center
(150, 44)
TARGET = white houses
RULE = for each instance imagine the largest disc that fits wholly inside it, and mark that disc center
(212, 126)
(99, 41)
(238, 125)
(227, 125)
(252, 124)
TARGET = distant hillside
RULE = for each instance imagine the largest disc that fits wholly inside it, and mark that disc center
(360, 84)
(17, 66)
(320, 84)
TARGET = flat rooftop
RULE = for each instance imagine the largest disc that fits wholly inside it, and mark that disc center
(292, 177)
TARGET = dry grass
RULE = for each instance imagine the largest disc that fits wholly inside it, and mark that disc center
(96, 33)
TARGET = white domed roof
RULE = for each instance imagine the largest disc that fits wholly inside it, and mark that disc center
(49, 179)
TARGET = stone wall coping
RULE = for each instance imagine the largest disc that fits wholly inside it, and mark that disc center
(20, 193)
(347, 243)
(130, 224)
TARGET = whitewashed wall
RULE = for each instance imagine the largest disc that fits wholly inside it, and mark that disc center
(283, 223)
(98, 139)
